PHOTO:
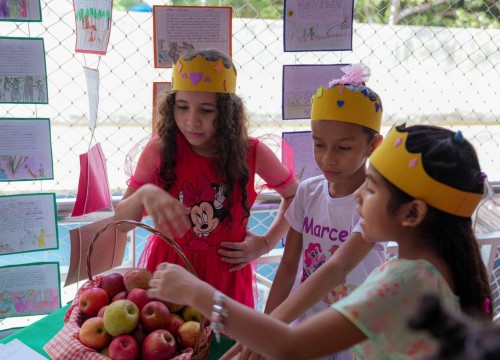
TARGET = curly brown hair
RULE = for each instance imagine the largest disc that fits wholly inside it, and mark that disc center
(231, 137)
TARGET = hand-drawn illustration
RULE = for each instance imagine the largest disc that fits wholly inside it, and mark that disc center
(29, 289)
(23, 77)
(20, 10)
(25, 149)
(93, 25)
(179, 30)
(169, 54)
(28, 223)
(318, 25)
(299, 84)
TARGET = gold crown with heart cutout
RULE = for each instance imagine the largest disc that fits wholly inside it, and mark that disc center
(199, 74)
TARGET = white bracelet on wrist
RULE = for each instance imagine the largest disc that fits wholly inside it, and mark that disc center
(219, 313)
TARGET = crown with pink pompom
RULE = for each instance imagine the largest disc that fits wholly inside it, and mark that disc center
(348, 99)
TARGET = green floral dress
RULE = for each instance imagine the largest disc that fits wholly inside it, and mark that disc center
(381, 306)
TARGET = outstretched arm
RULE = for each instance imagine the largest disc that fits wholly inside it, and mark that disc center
(318, 335)
(328, 276)
(276, 175)
(167, 213)
(287, 271)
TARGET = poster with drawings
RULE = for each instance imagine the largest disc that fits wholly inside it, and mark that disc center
(29, 289)
(318, 25)
(179, 30)
(300, 83)
(93, 20)
(25, 149)
(20, 10)
(23, 72)
(302, 145)
(28, 223)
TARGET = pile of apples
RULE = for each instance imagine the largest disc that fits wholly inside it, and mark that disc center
(123, 323)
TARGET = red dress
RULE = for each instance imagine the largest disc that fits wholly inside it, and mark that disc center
(199, 187)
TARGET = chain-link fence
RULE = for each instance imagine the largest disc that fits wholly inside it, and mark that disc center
(441, 75)
(425, 68)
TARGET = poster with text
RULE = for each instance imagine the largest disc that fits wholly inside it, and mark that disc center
(93, 25)
(159, 89)
(25, 149)
(300, 83)
(29, 289)
(179, 30)
(28, 223)
(23, 73)
(302, 145)
(20, 10)
(318, 25)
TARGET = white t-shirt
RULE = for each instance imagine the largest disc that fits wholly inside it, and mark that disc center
(325, 224)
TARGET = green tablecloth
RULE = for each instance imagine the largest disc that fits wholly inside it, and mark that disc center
(39, 333)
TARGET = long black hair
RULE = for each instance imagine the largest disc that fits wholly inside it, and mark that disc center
(450, 159)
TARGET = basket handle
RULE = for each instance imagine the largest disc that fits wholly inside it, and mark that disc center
(172, 243)
(152, 230)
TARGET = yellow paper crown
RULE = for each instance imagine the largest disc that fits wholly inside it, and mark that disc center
(348, 103)
(199, 74)
(405, 171)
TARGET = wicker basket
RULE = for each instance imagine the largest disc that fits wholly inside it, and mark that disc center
(201, 348)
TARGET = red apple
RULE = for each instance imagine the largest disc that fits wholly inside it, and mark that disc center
(93, 334)
(139, 297)
(112, 284)
(120, 296)
(139, 334)
(158, 345)
(137, 278)
(91, 300)
(188, 332)
(121, 317)
(174, 322)
(154, 316)
(101, 311)
(123, 347)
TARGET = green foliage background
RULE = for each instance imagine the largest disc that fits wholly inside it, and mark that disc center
(448, 13)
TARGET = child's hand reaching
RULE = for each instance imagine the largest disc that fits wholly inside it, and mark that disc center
(171, 283)
(167, 213)
(243, 253)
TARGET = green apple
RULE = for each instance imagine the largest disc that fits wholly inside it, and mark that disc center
(189, 313)
(121, 317)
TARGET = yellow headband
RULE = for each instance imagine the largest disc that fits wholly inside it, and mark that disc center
(405, 171)
(199, 74)
(341, 103)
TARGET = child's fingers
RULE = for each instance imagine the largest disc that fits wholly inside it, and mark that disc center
(239, 266)
(231, 254)
(233, 245)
